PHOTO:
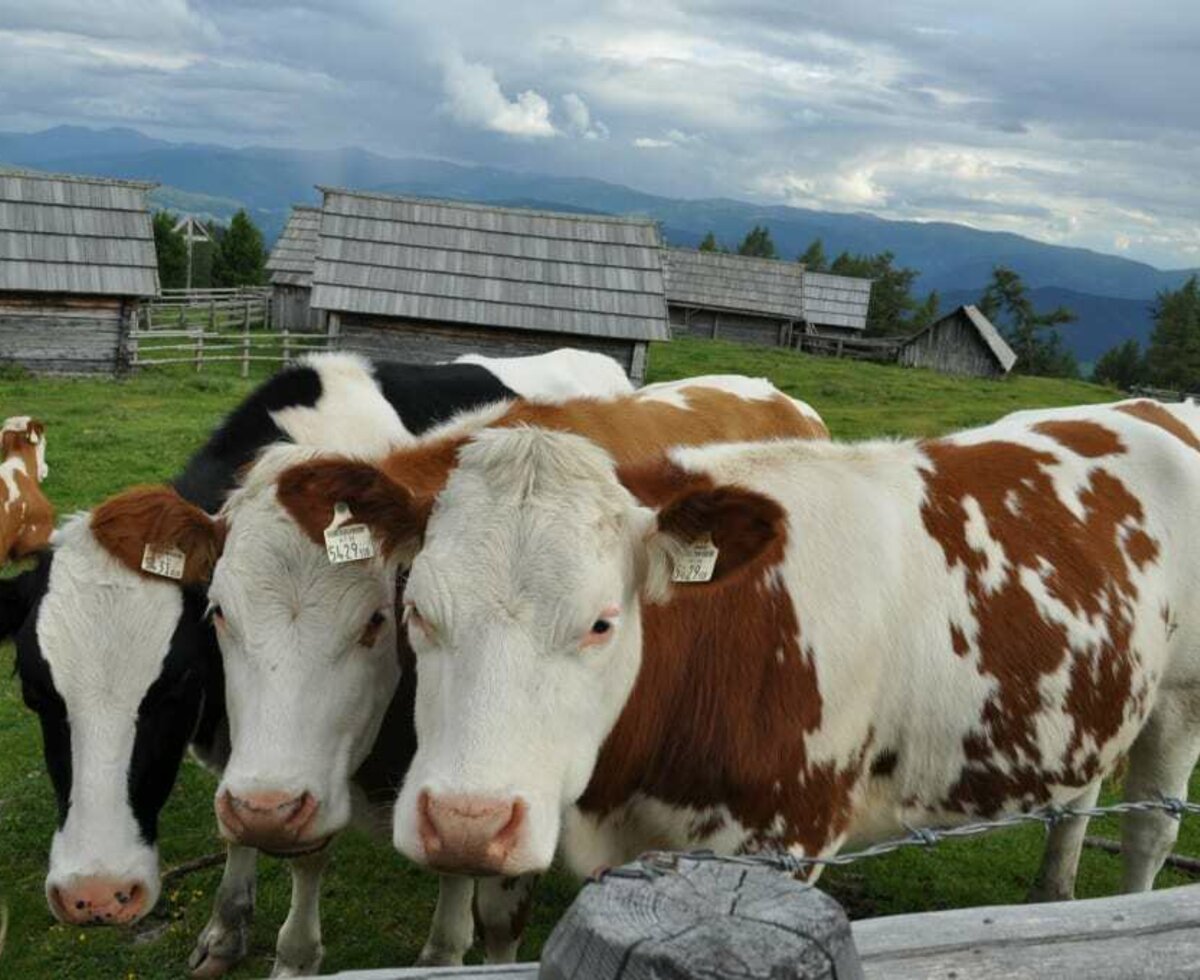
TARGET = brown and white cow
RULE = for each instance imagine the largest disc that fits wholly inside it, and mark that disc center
(26, 516)
(896, 634)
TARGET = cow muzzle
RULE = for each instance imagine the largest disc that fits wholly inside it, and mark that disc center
(277, 823)
(99, 901)
(470, 834)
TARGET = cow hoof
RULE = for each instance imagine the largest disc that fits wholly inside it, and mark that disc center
(432, 956)
(304, 966)
(218, 950)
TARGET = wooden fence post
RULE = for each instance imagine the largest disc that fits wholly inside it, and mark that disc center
(199, 349)
(212, 314)
(246, 344)
(680, 917)
(287, 346)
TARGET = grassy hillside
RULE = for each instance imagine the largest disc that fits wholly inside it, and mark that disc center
(105, 435)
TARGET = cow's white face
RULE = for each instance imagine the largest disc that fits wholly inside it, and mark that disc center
(522, 609)
(115, 665)
(309, 650)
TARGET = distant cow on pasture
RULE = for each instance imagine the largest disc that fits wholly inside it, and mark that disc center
(26, 516)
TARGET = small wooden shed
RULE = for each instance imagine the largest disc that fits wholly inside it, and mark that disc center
(291, 271)
(426, 280)
(733, 297)
(963, 342)
(835, 306)
(76, 260)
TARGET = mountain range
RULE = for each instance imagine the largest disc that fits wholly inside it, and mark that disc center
(1112, 295)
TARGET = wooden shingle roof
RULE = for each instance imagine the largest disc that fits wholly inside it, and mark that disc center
(78, 235)
(736, 283)
(836, 301)
(447, 261)
(292, 258)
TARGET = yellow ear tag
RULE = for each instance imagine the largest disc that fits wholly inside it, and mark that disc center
(347, 542)
(164, 561)
(696, 562)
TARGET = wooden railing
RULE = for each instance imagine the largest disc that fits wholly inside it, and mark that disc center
(207, 326)
(882, 349)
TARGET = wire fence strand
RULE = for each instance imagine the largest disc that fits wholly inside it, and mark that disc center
(660, 862)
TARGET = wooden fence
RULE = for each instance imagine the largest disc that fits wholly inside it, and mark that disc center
(885, 350)
(716, 918)
(206, 326)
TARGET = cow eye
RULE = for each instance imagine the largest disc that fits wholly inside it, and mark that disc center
(370, 632)
(600, 627)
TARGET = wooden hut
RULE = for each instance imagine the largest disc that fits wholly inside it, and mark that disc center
(76, 259)
(426, 280)
(733, 297)
(291, 271)
(963, 342)
(835, 306)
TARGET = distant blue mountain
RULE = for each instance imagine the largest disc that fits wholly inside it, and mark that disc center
(1107, 291)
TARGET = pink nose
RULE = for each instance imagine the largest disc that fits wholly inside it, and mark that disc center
(278, 823)
(99, 902)
(470, 834)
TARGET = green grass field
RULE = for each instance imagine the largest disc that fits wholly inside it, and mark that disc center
(105, 435)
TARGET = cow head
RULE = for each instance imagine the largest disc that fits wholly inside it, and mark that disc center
(524, 611)
(309, 647)
(117, 663)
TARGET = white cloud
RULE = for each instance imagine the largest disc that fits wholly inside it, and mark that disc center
(475, 99)
(579, 119)
(650, 143)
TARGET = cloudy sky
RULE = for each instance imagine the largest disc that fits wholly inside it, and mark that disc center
(1071, 122)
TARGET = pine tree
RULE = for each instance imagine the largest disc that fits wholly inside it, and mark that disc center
(927, 312)
(758, 243)
(1033, 336)
(814, 258)
(892, 306)
(1122, 366)
(1173, 356)
(240, 255)
(709, 243)
(171, 250)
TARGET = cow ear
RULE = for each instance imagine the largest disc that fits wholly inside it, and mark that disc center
(16, 600)
(158, 518)
(11, 441)
(395, 515)
(746, 529)
(36, 430)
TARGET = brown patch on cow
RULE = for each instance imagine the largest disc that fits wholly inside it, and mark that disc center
(716, 717)
(1141, 548)
(958, 641)
(157, 515)
(27, 518)
(1082, 565)
(1082, 438)
(1155, 414)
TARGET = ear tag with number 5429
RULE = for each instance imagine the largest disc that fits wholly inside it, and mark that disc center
(346, 542)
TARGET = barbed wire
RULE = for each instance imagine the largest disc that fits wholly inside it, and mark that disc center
(661, 862)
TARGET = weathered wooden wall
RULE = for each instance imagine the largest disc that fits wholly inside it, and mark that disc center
(428, 343)
(64, 334)
(740, 327)
(952, 347)
(291, 310)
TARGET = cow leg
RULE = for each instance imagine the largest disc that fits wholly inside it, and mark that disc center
(1160, 763)
(1055, 881)
(226, 938)
(298, 949)
(453, 929)
(502, 907)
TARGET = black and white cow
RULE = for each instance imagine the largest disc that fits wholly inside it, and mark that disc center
(124, 669)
